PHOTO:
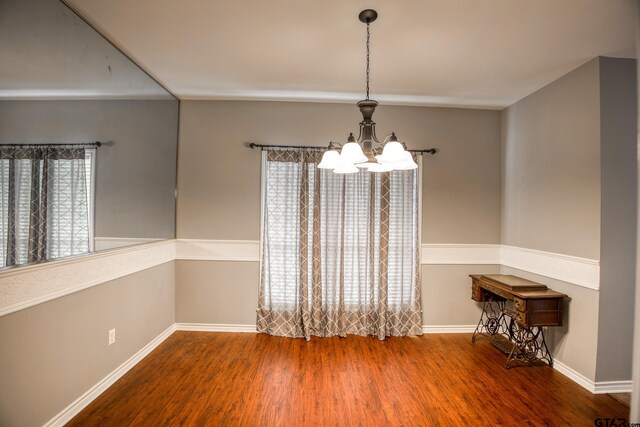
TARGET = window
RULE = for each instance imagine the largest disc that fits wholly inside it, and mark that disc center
(46, 204)
(337, 243)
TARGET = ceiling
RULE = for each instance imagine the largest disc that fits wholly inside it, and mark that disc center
(482, 54)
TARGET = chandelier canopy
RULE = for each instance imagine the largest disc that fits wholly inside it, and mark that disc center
(366, 152)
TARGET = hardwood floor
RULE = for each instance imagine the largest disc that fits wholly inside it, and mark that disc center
(229, 379)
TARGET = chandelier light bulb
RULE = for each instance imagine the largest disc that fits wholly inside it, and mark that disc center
(407, 163)
(344, 166)
(366, 165)
(352, 153)
(379, 167)
(393, 151)
(329, 160)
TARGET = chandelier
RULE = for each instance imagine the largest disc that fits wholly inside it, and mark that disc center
(366, 152)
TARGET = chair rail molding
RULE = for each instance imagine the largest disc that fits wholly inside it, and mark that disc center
(462, 254)
(102, 243)
(26, 286)
(218, 250)
(579, 271)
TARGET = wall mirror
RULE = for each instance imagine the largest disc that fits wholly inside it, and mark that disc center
(63, 87)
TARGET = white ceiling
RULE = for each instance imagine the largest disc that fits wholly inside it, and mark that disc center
(479, 53)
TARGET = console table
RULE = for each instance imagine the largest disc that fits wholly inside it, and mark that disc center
(514, 312)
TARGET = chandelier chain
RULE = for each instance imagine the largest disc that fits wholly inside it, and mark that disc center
(368, 42)
(366, 152)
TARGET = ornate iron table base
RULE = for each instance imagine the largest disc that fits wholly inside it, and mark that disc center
(520, 343)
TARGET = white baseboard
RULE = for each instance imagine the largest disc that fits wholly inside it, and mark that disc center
(574, 375)
(448, 329)
(600, 387)
(90, 395)
(214, 327)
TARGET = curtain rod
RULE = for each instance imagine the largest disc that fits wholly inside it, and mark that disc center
(81, 145)
(311, 148)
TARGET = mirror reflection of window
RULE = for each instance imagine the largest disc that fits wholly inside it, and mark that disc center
(64, 83)
(46, 199)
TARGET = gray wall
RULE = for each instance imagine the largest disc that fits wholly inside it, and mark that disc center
(551, 195)
(635, 395)
(226, 292)
(446, 294)
(54, 352)
(618, 118)
(219, 193)
(569, 187)
(136, 180)
(219, 177)
(551, 161)
(219, 292)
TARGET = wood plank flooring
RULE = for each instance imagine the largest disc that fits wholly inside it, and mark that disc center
(229, 379)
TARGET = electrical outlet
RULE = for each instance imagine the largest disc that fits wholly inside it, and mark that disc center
(112, 336)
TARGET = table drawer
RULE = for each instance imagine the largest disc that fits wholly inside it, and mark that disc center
(477, 294)
(545, 318)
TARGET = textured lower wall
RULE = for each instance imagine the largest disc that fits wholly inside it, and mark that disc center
(446, 294)
(575, 343)
(52, 353)
(220, 292)
(226, 292)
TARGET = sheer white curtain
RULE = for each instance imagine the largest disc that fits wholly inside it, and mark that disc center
(45, 203)
(340, 252)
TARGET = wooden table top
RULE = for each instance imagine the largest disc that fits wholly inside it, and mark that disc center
(522, 288)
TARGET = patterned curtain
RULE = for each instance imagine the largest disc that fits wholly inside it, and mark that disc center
(340, 253)
(44, 208)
